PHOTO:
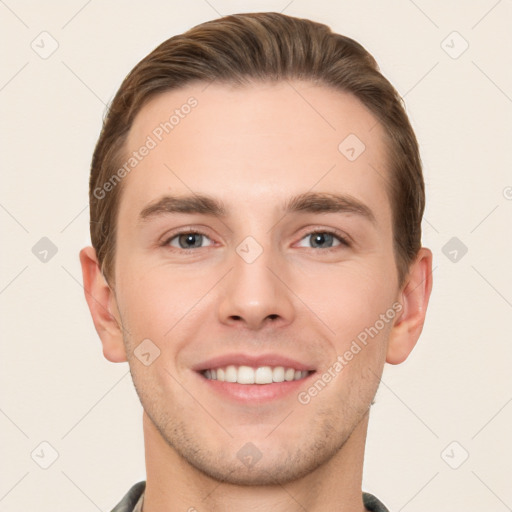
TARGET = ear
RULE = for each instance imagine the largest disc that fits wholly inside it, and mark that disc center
(414, 298)
(101, 301)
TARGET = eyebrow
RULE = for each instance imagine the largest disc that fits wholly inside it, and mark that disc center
(309, 202)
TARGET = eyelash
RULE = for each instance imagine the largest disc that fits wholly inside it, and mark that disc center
(342, 239)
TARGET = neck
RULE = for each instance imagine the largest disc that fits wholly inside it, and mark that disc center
(174, 484)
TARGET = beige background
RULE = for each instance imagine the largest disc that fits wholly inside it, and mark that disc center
(55, 385)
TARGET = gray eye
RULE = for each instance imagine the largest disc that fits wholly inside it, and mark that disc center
(321, 239)
(188, 240)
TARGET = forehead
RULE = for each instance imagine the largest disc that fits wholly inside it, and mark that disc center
(253, 142)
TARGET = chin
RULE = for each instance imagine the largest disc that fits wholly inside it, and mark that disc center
(259, 473)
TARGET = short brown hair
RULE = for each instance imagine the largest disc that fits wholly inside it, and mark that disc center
(254, 47)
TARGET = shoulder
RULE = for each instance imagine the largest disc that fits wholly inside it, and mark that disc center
(372, 504)
(130, 499)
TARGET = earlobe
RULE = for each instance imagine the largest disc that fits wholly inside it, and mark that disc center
(101, 301)
(414, 298)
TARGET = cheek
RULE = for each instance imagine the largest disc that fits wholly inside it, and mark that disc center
(348, 299)
(148, 305)
(162, 304)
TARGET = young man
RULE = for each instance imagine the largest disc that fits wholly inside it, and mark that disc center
(256, 198)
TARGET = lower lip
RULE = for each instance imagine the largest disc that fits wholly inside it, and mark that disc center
(256, 393)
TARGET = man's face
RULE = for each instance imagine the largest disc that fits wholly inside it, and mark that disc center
(259, 286)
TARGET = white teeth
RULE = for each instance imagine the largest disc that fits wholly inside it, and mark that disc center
(230, 374)
(263, 375)
(245, 375)
(260, 375)
(289, 374)
(278, 374)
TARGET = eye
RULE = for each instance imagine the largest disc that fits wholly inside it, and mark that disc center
(325, 239)
(188, 240)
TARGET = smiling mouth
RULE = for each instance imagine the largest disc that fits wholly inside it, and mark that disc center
(260, 375)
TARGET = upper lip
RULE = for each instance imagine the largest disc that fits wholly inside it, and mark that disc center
(255, 361)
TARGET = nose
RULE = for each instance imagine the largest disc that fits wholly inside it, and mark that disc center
(255, 293)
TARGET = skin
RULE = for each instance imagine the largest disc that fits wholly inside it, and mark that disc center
(254, 147)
